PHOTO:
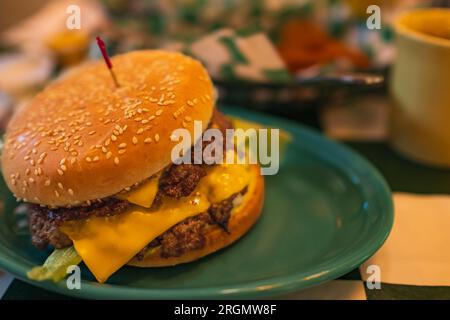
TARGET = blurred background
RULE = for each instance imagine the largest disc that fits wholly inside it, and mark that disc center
(302, 59)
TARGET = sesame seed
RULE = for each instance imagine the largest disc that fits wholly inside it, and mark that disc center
(159, 112)
(122, 151)
(140, 130)
(32, 162)
(96, 158)
(26, 158)
(104, 150)
(113, 138)
(47, 183)
(60, 172)
(144, 121)
(190, 103)
(31, 180)
(56, 193)
(70, 191)
(63, 160)
(108, 155)
(60, 185)
(188, 119)
(116, 160)
(63, 168)
(73, 160)
(148, 140)
(88, 159)
(134, 140)
(122, 145)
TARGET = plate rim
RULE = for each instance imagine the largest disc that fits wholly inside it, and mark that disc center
(271, 287)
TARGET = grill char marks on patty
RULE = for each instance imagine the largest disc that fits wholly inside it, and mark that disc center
(189, 234)
(180, 180)
(185, 236)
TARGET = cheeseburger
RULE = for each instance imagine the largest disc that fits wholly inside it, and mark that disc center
(94, 164)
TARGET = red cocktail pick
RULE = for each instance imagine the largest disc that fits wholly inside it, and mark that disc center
(102, 48)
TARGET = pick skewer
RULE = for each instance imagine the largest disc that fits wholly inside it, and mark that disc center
(102, 48)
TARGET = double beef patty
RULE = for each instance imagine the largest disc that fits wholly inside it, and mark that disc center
(176, 181)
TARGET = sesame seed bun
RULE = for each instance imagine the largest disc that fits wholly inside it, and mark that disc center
(82, 138)
(243, 217)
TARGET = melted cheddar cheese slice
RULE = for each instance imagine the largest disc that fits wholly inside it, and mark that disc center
(108, 243)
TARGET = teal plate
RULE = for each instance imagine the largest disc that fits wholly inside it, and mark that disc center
(326, 211)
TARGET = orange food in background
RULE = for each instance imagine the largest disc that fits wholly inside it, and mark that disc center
(69, 47)
(304, 44)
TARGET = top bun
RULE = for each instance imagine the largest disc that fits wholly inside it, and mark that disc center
(83, 139)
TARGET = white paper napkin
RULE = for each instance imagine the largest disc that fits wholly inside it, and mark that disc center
(417, 251)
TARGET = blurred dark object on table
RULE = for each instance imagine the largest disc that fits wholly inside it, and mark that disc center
(440, 3)
(302, 95)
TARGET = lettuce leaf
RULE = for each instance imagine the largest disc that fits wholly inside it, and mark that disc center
(55, 267)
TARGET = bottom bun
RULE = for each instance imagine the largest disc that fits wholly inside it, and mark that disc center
(243, 217)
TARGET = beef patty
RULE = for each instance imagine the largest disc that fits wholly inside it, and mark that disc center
(189, 234)
(180, 180)
(44, 222)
